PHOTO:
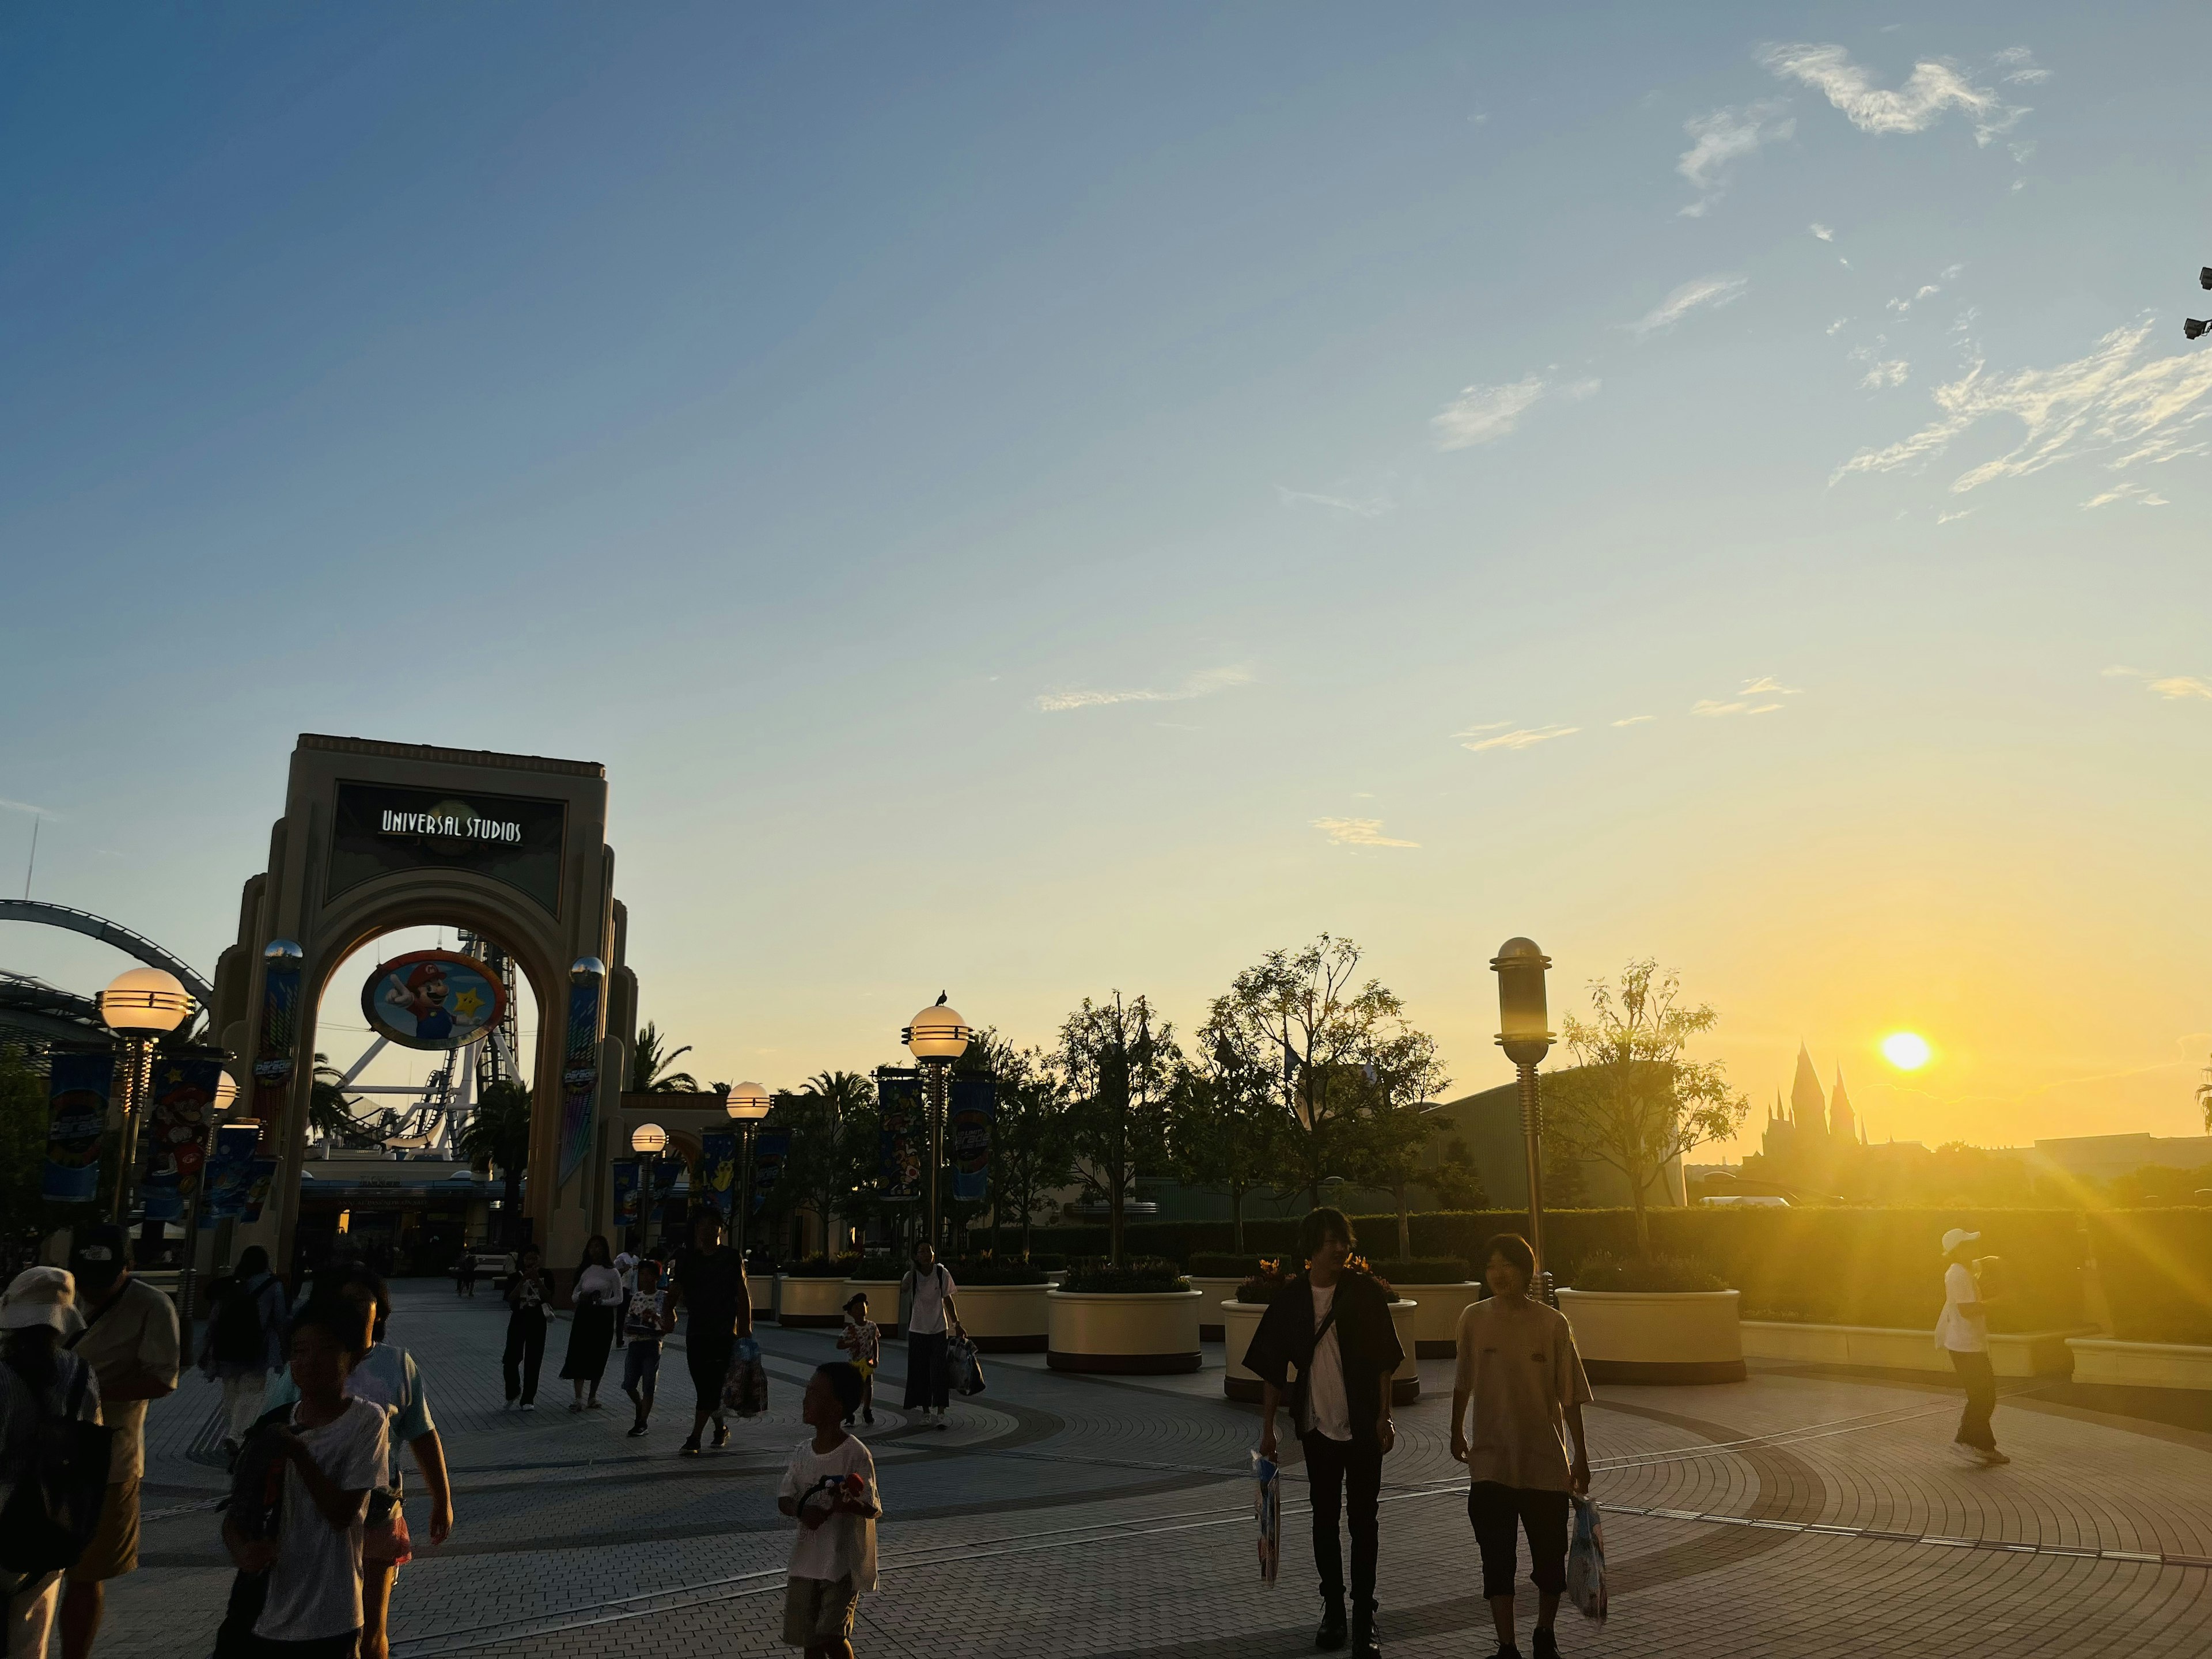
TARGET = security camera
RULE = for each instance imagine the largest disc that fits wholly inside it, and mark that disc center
(2190, 328)
(2205, 277)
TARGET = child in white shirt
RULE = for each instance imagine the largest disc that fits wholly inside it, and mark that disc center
(829, 1489)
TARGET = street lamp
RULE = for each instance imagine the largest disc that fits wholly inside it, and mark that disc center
(747, 1103)
(648, 1141)
(226, 1096)
(139, 1006)
(1525, 1034)
(938, 1036)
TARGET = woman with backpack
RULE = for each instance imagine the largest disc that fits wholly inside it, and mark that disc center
(41, 1383)
(245, 1341)
(932, 1319)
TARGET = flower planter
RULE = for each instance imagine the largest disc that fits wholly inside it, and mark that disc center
(810, 1304)
(1436, 1326)
(883, 1296)
(1005, 1318)
(1149, 1332)
(1240, 1319)
(1216, 1291)
(1879, 1347)
(2140, 1365)
(1657, 1336)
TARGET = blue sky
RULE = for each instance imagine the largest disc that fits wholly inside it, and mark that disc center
(1031, 501)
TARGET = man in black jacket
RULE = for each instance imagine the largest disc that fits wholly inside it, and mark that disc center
(1334, 1327)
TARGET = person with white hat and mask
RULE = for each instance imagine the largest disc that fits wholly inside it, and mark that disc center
(39, 1379)
(1964, 1331)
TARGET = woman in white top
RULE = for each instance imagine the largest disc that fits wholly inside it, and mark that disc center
(597, 1294)
(1964, 1330)
(930, 1321)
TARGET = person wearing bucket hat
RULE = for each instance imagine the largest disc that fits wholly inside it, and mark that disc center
(1963, 1331)
(130, 1339)
(39, 1379)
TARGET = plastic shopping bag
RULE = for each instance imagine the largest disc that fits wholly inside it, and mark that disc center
(1586, 1560)
(964, 1370)
(1267, 1510)
(744, 1386)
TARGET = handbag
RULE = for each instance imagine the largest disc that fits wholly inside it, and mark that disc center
(744, 1386)
(54, 1510)
(965, 1371)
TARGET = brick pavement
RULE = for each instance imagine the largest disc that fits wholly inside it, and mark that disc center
(1093, 1517)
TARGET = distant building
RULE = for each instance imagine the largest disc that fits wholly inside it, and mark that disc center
(1806, 1141)
(2102, 1158)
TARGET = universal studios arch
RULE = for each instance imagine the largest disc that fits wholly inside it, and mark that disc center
(380, 837)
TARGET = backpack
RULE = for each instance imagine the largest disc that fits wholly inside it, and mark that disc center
(54, 1509)
(238, 1334)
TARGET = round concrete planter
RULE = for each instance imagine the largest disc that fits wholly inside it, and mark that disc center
(1216, 1291)
(1005, 1318)
(1436, 1326)
(1240, 1319)
(2139, 1364)
(883, 1296)
(1657, 1336)
(809, 1304)
(1150, 1332)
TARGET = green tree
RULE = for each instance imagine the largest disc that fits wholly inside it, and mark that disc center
(498, 1133)
(818, 1173)
(1223, 1123)
(649, 1063)
(331, 1114)
(24, 1118)
(1456, 1179)
(1631, 1099)
(1401, 1079)
(1115, 1068)
(1033, 1139)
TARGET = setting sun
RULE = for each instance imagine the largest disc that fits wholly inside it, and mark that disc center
(1906, 1050)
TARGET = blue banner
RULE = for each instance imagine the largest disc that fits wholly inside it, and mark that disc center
(274, 1056)
(260, 1176)
(580, 1074)
(229, 1174)
(771, 1152)
(665, 1173)
(903, 1141)
(628, 1182)
(716, 1178)
(77, 1093)
(973, 1111)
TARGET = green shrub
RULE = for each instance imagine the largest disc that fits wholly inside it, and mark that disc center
(994, 1270)
(1221, 1264)
(820, 1268)
(2156, 1267)
(876, 1267)
(1050, 1264)
(1141, 1276)
(1262, 1287)
(1421, 1270)
(1645, 1272)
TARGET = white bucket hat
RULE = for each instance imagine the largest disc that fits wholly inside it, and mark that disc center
(41, 1295)
(1957, 1236)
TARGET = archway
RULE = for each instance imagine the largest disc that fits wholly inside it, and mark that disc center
(379, 836)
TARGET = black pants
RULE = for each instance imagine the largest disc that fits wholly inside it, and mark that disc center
(525, 1353)
(707, 1356)
(1981, 1382)
(1495, 1509)
(1342, 1472)
(925, 1369)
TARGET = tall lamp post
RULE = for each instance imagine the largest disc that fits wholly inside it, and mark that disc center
(938, 1036)
(1525, 1034)
(139, 1006)
(225, 1094)
(648, 1141)
(747, 1104)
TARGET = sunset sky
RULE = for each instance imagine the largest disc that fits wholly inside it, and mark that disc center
(1031, 501)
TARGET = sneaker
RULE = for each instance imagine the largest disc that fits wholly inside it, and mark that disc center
(1362, 1639)
(722, 1435)
(636, 1430)
(1546, 1645)
(942, 1423)
(848, 1420)
(869, 1415)
(575, 1405)
(592, 1405)
(530, 1405)
(688, 1448)
(1992, 1457)
(1507, 1653)
(1332, 1633)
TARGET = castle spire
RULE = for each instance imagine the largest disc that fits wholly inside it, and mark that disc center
(1842, 1124)
(1807, 1102)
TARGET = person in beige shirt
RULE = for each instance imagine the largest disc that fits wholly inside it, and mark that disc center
(1521, 1382)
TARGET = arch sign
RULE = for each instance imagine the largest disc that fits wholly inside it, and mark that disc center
(433, 999)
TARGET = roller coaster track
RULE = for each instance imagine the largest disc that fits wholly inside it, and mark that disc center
(109, 932)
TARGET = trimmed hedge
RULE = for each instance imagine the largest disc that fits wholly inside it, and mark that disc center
(1222, 1264)
(1141, 1276)
(1846, 1266)
(991, 1270)
(820, 1267)
(2156, 1266)
(876, 1268)
(1419, 1269)
(1644, 1272)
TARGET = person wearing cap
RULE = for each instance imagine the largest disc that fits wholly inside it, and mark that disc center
(39, 1379)
(130, 1339)
(1964, 1330)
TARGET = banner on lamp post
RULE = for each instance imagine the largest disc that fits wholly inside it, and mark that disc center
(229, 1174)
(628, 1174)
(771, 1152)
(974, 1112)
(77, 1090)
(176, 1129)
(903, 1141)
(717, 1177)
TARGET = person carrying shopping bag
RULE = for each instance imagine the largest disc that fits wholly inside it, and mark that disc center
(932, 1318)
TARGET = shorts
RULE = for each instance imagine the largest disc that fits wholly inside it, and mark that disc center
(113, 1550)
(819, 1610)
(641, 1365)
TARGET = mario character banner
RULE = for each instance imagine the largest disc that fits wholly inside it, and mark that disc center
(433, 999)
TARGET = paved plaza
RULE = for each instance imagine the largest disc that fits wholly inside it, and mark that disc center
(1805, 1512)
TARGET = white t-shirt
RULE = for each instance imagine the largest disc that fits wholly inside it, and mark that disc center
(844, 1543)
(1331, 1412)
(314, 1589)
(1954, 1330)
(597, 1287)
(927, 1317)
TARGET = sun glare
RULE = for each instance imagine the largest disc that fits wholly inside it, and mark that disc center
(1906, 1050)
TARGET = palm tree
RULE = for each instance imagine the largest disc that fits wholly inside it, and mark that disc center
(498, 1131)
(648, 1066)
(329, 1114)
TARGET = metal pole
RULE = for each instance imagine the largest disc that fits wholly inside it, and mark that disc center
(187, 1280)
(133, 1094)
(1531, 1133)
(741, 1199)
(936, 1141)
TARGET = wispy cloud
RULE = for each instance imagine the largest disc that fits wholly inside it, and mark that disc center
(1525, 737)
(2174, 688)
(26, 806)
(1933, 90)
(1826, 232)
(1722, 139)
(1198, 685)
(1885, 372)
(1636, 719)
(1705, 293)
(1484, 413)
(2140, 495)
(1358, 832)
(1748, 701)
(1373, 507)
(2110, 399)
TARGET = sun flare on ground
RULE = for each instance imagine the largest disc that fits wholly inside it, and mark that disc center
(1906, 1050)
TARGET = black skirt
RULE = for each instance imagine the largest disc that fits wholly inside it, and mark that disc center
(590, 1338)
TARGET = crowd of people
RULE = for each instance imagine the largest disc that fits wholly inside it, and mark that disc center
(318, 1402)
